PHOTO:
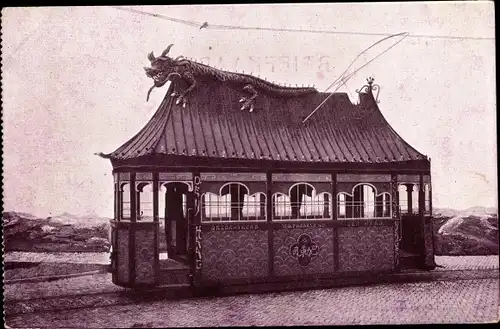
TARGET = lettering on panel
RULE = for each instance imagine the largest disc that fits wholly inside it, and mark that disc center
(233, 177)
(175, 176)
(301, 178)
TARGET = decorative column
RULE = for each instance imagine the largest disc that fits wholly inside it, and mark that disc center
(133, 219)
(409, 197)
(427, 230)
(270, 206)
(196, 239)
(156, 220)
(397, 218)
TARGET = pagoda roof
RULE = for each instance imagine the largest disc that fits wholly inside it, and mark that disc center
(213, 126)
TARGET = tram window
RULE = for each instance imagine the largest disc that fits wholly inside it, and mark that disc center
(427, 192)
(145, 201)
(125, 198)
(301, 203)
(234, 203)
(403, 198)
(364, 202)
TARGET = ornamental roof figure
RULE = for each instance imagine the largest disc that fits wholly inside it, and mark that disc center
(216, 114)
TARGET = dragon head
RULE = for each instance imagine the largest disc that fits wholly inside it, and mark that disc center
(162, 68)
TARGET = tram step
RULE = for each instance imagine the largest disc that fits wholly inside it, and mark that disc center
(174, 276)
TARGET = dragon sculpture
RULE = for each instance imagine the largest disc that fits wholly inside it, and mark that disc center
(164, 68)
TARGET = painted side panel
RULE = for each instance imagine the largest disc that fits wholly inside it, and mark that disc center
(366, 248)
(144, 256)
(303, 251)
(122, 255)
(234, 255)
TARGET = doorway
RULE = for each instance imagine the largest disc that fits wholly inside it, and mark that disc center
(176, 225)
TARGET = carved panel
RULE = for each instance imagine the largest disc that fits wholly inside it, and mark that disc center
(144, 256)
(144, 176)
(408, 178)
(291, 245)
(124, 176)
(122, 255)
(234, 177)
(234, 254)
(363, 178)
(301, 178)
(175, 176)
(366, 248)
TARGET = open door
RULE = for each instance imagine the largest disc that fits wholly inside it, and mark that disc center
(176, 221)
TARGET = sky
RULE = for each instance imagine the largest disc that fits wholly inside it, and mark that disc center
(73, 84)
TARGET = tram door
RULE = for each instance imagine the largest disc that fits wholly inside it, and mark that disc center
(176, 221)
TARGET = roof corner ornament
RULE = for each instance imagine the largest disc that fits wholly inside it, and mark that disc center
(248, 102)
(370, 87)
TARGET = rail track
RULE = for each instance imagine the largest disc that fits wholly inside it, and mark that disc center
(13, 307)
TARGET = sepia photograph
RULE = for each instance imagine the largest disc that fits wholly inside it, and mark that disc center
(262, 165)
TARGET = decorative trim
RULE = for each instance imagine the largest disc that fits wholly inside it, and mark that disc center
(361, 178)
(231, 177)
(304, 250)
(143, 176)
(124, 176)
(397, 217)
(175, 176)
(188, 183)
(302, 178)
(408, 179)
(209, 227)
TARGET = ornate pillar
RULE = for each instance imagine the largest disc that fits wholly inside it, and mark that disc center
(409, 197)
(397, 218)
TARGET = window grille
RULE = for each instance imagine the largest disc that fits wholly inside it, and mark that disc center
(234, 203)
(363, 203)
(302, 203)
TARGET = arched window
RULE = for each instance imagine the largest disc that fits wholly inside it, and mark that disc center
(301, 203)
(125, 198)
(234, 203)
(145, 201)
(403, 198)
(414, 199)
(364, 202)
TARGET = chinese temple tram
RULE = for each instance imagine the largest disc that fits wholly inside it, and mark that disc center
(247, 191)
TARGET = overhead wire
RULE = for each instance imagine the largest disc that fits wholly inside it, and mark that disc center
(206, 25)
(344, 78)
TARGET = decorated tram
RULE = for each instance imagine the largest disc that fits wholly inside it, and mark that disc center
(249, 188)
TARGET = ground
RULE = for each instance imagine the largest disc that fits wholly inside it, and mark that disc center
(460, 301)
